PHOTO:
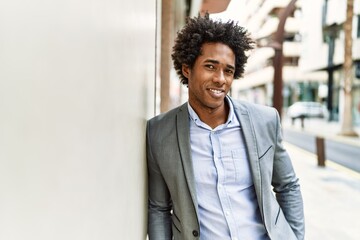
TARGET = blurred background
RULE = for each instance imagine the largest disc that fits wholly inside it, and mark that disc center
(79, 79)
(312, 41)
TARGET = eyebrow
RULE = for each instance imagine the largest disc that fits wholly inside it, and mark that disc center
(217, 62)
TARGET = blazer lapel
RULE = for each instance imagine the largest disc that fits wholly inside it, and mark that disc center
(250, 140)
(183, 133)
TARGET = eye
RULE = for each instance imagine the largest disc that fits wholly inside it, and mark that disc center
(210, 66)
(229, 71)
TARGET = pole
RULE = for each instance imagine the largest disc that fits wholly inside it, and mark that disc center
(278, 58)
(330, 70)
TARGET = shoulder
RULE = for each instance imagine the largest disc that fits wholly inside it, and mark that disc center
(161, 130)
(263, 120)
(166, 122)
(164, 118)
(254, 110)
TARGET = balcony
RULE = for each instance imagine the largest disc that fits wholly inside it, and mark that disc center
(266, 75)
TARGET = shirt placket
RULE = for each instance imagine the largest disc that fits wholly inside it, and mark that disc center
(221, 184)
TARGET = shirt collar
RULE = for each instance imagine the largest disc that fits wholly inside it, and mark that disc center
(195, 118)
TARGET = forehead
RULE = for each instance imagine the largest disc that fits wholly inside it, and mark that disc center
(217, 51)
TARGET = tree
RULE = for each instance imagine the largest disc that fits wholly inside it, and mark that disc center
(347, 122)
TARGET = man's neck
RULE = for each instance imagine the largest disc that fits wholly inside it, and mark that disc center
(215, 117)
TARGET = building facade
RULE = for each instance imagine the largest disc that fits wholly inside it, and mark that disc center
(323, 49)
(261, 18)
(313, 47)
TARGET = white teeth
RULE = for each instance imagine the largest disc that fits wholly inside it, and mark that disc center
(215, 91)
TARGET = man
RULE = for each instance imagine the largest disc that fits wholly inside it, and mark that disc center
(217, 168)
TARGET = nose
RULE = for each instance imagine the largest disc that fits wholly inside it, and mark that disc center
(219, 77)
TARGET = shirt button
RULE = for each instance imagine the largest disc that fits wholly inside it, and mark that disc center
(227, 214)
(195, 233)
(235, 238)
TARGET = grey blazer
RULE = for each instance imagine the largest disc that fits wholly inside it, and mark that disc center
(172, 204)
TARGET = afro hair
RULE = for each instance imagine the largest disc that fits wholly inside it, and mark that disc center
(202, 29)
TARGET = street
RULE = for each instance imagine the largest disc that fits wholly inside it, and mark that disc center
(342, 153)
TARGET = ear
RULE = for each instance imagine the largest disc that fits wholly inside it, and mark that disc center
(185, 70)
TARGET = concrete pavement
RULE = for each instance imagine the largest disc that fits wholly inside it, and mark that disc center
(332, 193)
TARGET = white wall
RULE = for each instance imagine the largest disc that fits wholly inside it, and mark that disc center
(76, 85)
(314, 52)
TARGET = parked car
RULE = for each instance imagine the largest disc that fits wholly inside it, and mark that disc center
(307, 110)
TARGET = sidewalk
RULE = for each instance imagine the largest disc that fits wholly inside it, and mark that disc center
(332, 193)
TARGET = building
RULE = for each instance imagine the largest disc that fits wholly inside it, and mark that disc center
(322, 34)
(261, 18)
(313, 52)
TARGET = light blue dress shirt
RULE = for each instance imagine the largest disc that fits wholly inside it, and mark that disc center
(227, 203)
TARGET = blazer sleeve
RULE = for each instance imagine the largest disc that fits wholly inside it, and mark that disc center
(159, 201)
(286, 186)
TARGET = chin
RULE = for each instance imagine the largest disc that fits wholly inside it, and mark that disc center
(214, 105)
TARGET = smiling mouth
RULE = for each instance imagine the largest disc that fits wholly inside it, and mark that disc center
(216, 91)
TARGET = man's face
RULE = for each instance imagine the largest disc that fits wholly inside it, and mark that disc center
(211, 77)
